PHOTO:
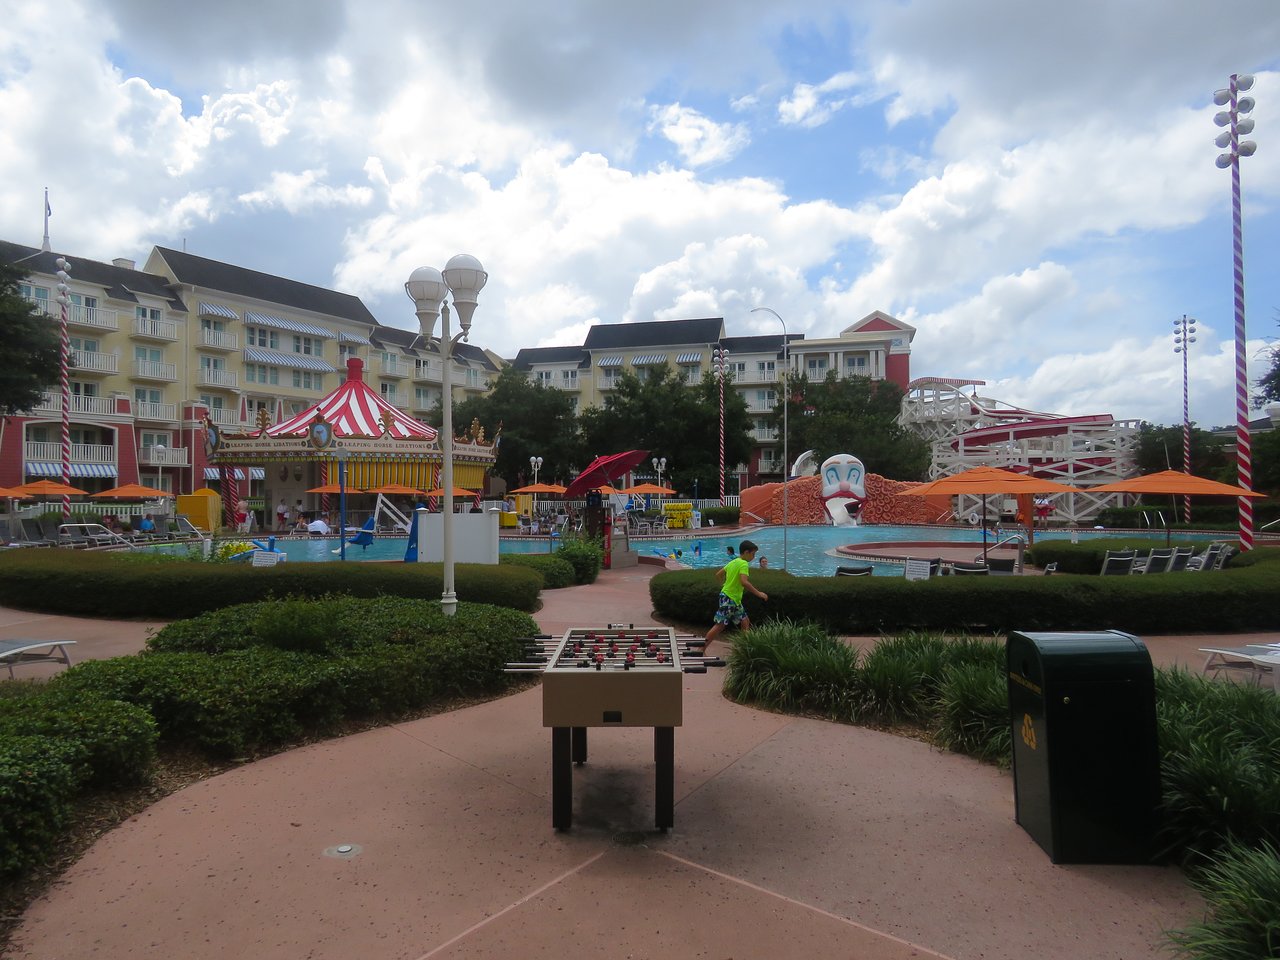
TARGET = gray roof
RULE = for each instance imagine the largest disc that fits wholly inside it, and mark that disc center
(769, 343)
(411, 342)
(120, 283)
(527, 357)
(215, 275)
(653, 333)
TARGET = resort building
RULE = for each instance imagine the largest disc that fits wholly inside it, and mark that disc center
(156, 350)
(877, 346)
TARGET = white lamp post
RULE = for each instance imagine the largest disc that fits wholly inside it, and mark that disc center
(659, 464)
(1238, 125)
(158, 451)
(427, 287)
(535, 464)
(1184, 334)
(342, 454)
(786, 398)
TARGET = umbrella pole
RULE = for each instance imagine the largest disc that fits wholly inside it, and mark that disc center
(984, 528)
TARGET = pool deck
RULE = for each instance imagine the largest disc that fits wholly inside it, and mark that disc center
(792, 837)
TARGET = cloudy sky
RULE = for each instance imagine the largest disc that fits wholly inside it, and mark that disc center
(1031, 185)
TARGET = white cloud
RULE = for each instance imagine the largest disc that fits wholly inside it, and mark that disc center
(812, 106)
(296, 192)
(701, 142)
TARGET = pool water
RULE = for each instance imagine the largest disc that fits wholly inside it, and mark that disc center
(809, 548)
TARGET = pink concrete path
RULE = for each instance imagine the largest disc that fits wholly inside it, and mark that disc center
(792, 837)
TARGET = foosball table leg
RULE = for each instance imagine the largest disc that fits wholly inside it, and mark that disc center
(579, 744)
(664, 753)
(561, 779)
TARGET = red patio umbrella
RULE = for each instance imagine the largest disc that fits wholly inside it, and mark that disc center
(603, 469)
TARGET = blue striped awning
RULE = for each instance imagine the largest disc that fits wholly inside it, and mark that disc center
(611, 361)
(214, 310)
(293, 326)
(257, 473)
(38, 469)
(299, 361)
(353, 338)
(648, 359)
(689, 358)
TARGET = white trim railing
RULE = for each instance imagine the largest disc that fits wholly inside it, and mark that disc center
(217, 377)
(51, 452)
(155, 370)
(143, 410)
(95, 406)
(218, 339)
(155, 329)
(91, 361)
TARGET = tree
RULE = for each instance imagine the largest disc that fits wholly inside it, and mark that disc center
(1269, 383)
(662, 415)
(537, 421)
(31, 347)
(1160, 448)
(858, 416)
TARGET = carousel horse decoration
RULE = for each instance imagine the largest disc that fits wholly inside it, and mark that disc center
(844, 488)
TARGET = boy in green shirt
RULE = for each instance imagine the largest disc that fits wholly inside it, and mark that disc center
(735, 577)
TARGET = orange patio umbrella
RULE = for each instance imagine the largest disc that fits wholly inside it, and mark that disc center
(132, 491)
(399, 489)
(47, 488)
(1175, 483)
(457, 492)
(648, 488)
(335, 489)
(540, 488)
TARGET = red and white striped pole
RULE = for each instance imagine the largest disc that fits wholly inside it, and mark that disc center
(1184, 334)
(64, 369)
(1231, 118)
(719, 355)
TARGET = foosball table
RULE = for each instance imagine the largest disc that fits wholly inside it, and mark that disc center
(615, 676)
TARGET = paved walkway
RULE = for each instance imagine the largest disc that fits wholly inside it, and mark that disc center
(792, 837)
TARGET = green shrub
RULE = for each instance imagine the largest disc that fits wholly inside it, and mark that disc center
(221, 683)
(113, 585)
(112, 743)
(37, 782)
(1241, 891)
(794, 666)
(973, 713)
(720, 516)
(556, 571)
(585, 556)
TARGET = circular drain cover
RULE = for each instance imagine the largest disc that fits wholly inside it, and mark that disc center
(343, 851)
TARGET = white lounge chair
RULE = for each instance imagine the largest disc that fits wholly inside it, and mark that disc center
(1256, 658)
(14, 653)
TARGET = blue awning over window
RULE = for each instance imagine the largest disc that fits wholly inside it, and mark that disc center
(648, 359)
(298, 361)
(214, 310)
(293, 326)
(257, 473)
(611, 361)
(689, 358)
(353, 338)
(39, 469)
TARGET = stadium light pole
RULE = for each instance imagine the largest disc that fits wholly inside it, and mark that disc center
(1184, 334)
(427, 287)
(786, 402)
(1229, 139)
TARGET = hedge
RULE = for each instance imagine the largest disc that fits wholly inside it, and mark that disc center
(108, 585)
(1234, 600)
(556, 571)
(37, 784)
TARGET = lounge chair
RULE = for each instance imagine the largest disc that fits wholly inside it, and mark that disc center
(1257, 659)
(33, 536)
(970, 569)
(860, 570)
(188, 528)
(13, 653)
(1051, 568)
(1118, 563)
(1208, 559)
(1180, 557)
(1156, 561)
(1224, 556)
(1001, 566)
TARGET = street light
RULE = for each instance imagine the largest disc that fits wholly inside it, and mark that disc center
(659, 464)
(158, 450)
(427, 287)
(64, 370)
(720, 360)
(535, 464)
(341, 454)
(1184, 334)
(1230, 138)
(786, 398)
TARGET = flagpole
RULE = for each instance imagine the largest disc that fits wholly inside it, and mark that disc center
(45, 245)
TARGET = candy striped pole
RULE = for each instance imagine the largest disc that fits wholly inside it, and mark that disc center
(1231, 118)
(64, 367)
(1183, 336)
(719, 355)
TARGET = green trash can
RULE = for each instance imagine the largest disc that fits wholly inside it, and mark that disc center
(1086, 768)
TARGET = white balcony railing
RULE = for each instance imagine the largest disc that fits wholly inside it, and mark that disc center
(753, 376)
(90, 361)
(214, 377)
(218, 340)
(79, 315)
(168, 457)
(391, 367)
(225, 418)
(765, 433)
(475, 380)
(154, 370)
(80, 452)
(393, 398)
(155, 411)
(95, 406)
(426, 371)
(155, 329)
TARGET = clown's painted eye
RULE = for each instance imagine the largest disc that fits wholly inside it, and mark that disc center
(832, 475)
(855, 475)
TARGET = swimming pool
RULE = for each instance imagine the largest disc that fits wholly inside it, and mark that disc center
(808, 547)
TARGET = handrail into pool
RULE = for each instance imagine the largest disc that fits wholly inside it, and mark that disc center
(1022, 548)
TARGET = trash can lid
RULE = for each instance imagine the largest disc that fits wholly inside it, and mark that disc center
(1100, 655)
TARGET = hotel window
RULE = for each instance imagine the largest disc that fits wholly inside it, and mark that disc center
(817, 367)
(766, 369)
(766, 399)
(217, 326)
(147, 395)
(148, 354)
(308, 380)
(345, 352)
(211, 402)
(308, 346)
(569, 379)
(261, 373)
(425, 398)
(856, 365)
(38, 295)
(150, 439)
(545, 377)
(82, 388)
(85, 344)
(146, 313)
(691, 375)
(262, 337)
(422, 369)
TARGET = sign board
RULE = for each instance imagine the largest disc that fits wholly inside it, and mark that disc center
(917, 569)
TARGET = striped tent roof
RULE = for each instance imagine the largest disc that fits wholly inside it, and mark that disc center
(355, 409)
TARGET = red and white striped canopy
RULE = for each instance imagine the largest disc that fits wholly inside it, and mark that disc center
(355, 409)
